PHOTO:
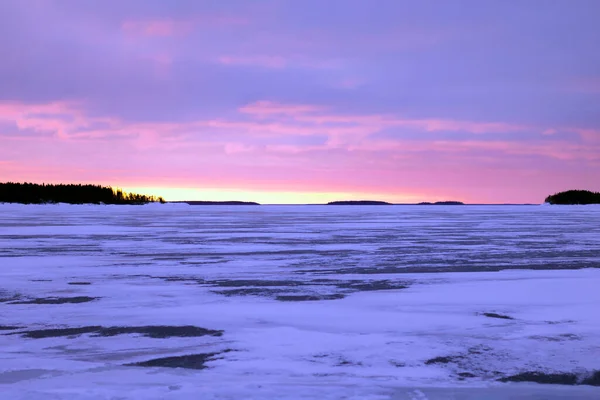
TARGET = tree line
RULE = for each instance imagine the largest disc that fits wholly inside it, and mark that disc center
(574, 197)
(33, 193)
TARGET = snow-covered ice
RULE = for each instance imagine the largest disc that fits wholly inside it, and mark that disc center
(404, 302)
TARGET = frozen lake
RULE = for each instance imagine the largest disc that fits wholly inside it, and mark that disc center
(381, 302)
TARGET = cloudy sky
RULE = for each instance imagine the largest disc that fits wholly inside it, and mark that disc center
(285, 101)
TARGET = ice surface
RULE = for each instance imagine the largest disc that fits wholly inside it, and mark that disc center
(313, 302)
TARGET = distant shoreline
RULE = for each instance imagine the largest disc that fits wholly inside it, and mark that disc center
(217, 203)
(358, 203)
(241, 203)
(385, 203)
(32, 193)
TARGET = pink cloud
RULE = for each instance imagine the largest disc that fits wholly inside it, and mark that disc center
(433, 125)
(589, 135)
(559, 150)
(293, 149)
(265, 119)
(178, 27)
(54, 117)
(237, 148)
(166, 27)
(11, 110)
(314, 114)
(69, 121)
(269, 108)
(342, 128)
(278, 61)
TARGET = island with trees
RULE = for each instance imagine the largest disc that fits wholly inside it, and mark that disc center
(574, 197)
(33, 193)
(380, 203)
(358, 203)
(442, 203)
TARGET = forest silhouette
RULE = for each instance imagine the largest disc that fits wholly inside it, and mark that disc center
(33, 193)
(574, 197)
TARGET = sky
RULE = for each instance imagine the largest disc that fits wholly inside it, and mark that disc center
(303, 101)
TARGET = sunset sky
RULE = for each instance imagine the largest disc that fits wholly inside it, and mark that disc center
(300, 101)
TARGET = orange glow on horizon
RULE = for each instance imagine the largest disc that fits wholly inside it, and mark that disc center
(270, 197)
